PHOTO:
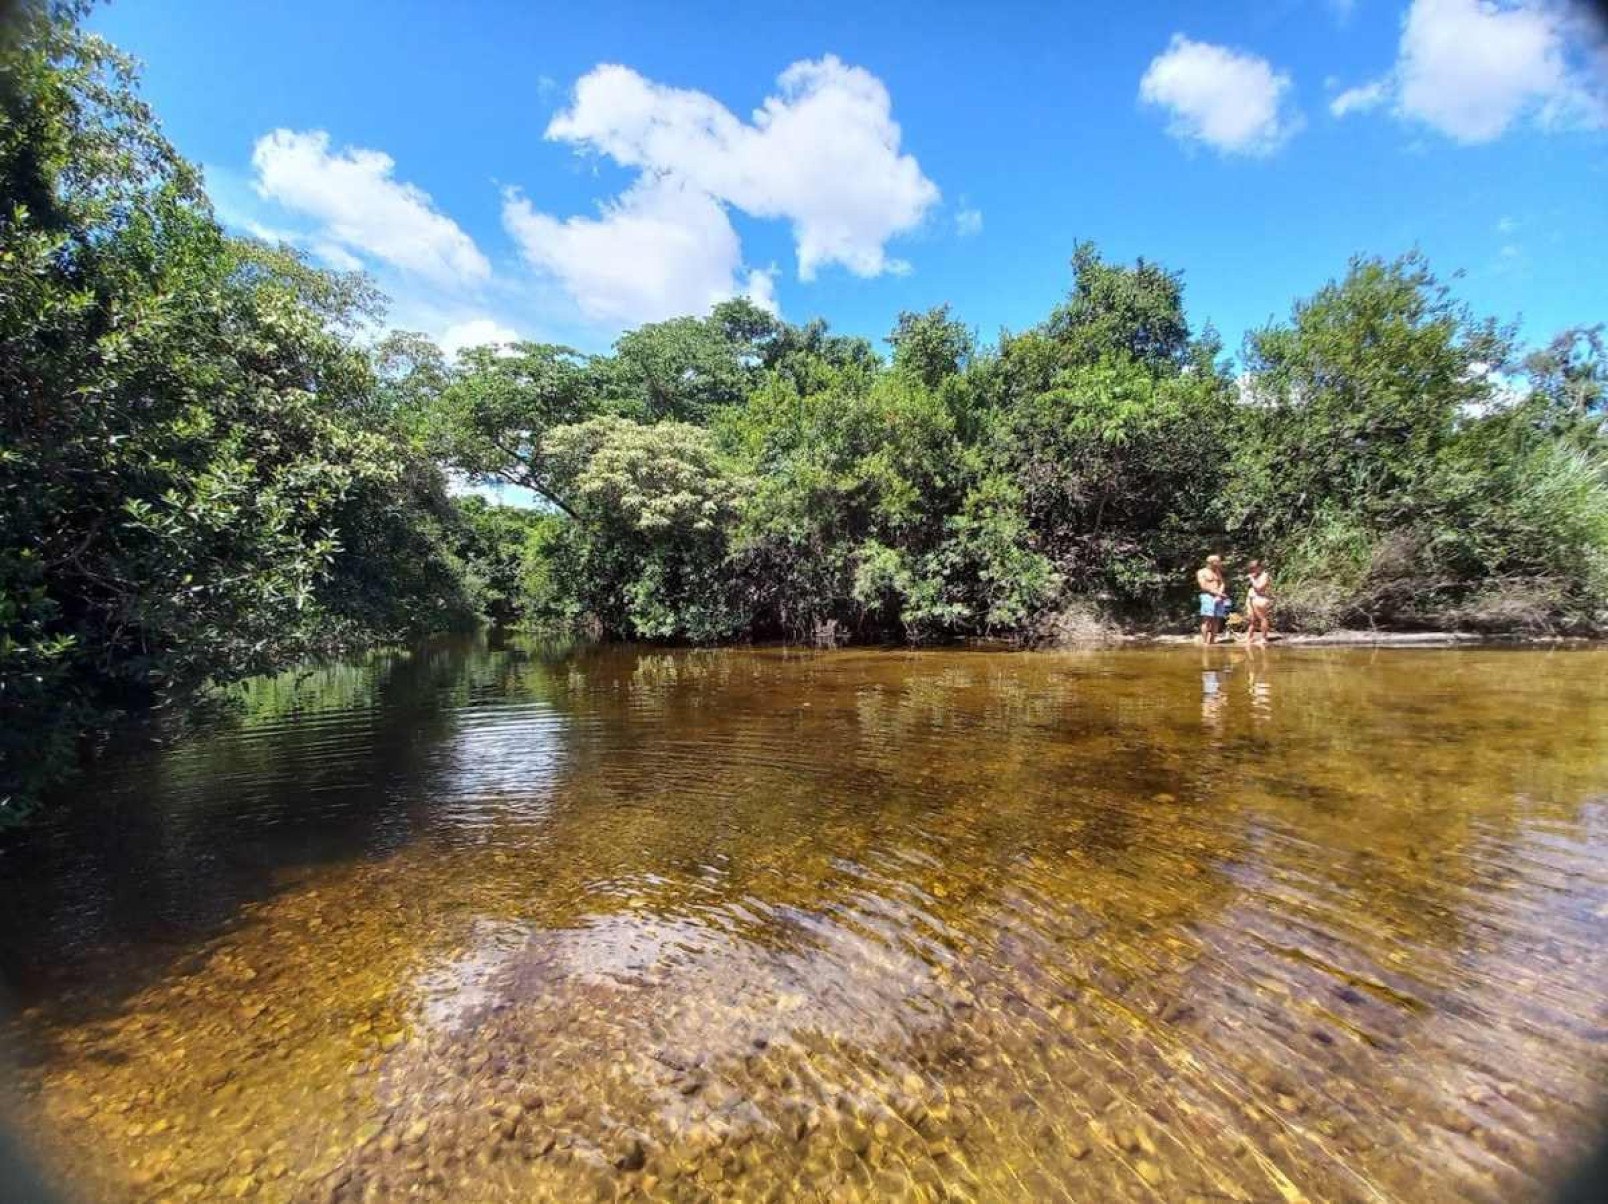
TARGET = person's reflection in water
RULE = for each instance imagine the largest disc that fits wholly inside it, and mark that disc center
(1213, 697)
(1260, 688)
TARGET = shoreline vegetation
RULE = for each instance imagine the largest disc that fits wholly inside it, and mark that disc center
(211, 467)
(1349, 638)
(1112, 637)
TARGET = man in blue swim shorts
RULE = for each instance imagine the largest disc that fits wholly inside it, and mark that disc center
(1213, 599)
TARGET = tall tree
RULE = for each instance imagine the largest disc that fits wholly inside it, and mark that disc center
(1354, 399)
(488, 417)
(1137, 312)
(932, 346)
(186, 444)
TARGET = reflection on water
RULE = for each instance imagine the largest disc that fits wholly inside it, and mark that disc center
(514, 922)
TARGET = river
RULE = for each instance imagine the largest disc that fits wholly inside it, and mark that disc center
(504, 919)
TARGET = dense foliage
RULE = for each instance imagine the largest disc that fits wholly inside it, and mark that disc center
(208, 469)
(194, 484)
(1385, 449)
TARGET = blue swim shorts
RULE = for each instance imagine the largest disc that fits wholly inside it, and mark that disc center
(1213, 607)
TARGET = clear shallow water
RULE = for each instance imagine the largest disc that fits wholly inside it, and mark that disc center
(505, 922)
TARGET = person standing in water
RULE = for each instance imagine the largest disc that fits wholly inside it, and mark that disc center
(1213, 598)
(1259, 604)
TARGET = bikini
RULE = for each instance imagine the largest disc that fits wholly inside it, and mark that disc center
(1256, 593)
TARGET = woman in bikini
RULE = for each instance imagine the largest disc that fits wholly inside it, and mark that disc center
(1259, 603)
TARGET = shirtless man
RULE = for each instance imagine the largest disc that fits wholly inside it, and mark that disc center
(1213, 598)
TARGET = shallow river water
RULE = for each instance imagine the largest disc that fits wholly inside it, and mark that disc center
(508, 921)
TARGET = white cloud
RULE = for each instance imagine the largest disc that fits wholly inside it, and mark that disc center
(968, 221)
(1472, 69)
(1230, 100)
(760, 288)
(329, 254)
(661, 250)
(334, 255)
(475, 332)
(361, 209)
(456, 313)
(1503, 390)
(1361, 98)
(1511, 259)
(822, 154)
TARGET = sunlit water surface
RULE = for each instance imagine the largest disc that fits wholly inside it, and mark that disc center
(507, 921)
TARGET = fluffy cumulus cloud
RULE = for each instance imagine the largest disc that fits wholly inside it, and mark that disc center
(1230, 100)
(475, 332)
(822, 154)
(663, 248)
(968, 221)
(1472, 69)
(360, 209)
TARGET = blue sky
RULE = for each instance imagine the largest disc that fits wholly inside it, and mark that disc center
(562, 172)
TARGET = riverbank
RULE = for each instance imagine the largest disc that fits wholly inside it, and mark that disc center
(1103, 636)
(1385, 639)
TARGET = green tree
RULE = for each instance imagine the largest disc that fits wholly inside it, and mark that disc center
(188, 454)
(489, 416)
(1383, 457)
(654, 505)
(1110, 420)
(1353, 401)
(504, 550)
(687, 369)
(932, 346)
(1116, 472)
(856, 471)
(813, 359)
(1569, 383)
(1135, 312)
